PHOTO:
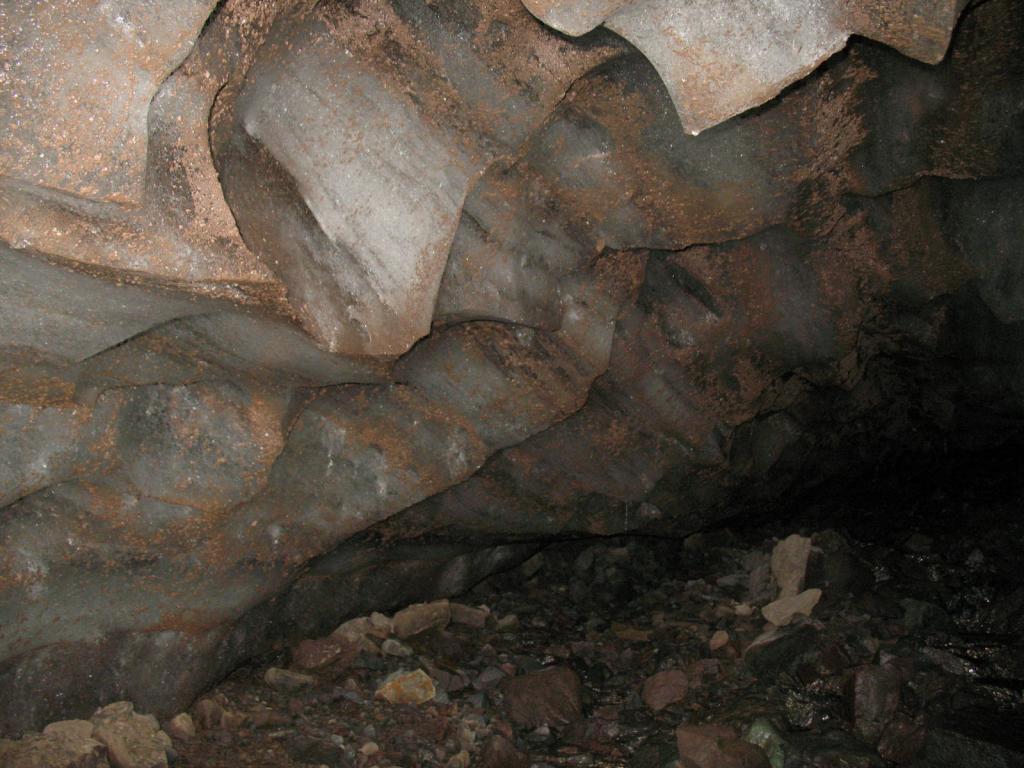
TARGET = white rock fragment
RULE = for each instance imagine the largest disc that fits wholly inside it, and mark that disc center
(782, 611)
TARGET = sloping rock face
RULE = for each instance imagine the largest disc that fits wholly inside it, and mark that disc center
(342, 305)
(719, 58)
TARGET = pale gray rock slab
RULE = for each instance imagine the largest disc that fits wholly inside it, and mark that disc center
(71, 315)
(719, 59)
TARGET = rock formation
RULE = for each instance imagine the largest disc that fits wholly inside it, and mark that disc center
(312, 308)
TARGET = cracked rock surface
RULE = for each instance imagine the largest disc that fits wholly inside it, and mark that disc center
(310, 309)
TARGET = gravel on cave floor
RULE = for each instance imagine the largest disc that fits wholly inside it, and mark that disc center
(651, 653)
(648, 653)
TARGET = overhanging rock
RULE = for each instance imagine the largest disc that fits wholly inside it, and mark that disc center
(212, 437)
(719, 58)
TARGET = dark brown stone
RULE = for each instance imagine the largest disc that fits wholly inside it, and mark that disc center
(664, 688)
(548, 697)
(499, 752)
(716, 746)
(873, 698)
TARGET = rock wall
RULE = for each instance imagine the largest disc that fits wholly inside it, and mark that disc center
(309, 308)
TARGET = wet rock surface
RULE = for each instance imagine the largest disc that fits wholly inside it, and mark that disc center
(315, 309)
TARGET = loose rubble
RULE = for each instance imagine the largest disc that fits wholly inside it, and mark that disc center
(115, 737)
(720, 651)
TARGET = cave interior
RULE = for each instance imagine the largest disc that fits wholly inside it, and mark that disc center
(511, 383)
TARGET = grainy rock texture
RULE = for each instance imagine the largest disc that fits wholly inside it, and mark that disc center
(313, 308)
(719, 58)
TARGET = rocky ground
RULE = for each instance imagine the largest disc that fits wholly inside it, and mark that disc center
(730, 649)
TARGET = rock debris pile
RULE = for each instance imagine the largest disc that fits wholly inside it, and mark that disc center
(720, 651)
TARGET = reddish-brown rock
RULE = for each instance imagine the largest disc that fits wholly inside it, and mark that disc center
(664, 688)
(499, 752)
(716, 746)
(314, 654)
(548, 697)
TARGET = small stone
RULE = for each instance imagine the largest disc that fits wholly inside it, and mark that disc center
(718, 640)
(716, 746)
(489, 678)
(357, 627)
(541, 733)
(743, 609)
(507, 623)
(232, 720)
(181, 727)
(664, 688)
(314, 654)
(950, 749)
(631, 634)
(531, 567)
(208, 714)
(764, 735)
(421, 617)
(360, 632)
(722, 612)
(407, 688)
(268, 718)
(469, 616)
(789, 564)
(380, 625)
(500, 752)
(392, 647)
(918, 614)
(781, 611)
(618, 554)
(286, 680)
(836, 569)
(759, 586)
(902, 741)
(918, 543)
(69, 730)
(873, 698)
(781, 649)
(65, 744)
(132, 740)
(442, 678)
(224, 738)
(307, 750)
(585, 561)
(369, 748)
(550, 696)
(458, 760)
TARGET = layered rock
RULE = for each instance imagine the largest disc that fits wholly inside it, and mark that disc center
(483, 289)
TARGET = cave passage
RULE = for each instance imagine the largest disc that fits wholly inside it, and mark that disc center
(511, 383)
